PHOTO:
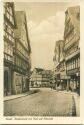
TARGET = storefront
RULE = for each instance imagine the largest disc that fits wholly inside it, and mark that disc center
(74, 82)
(20, 83)
(8, 74)
(7, 82)
(63, 82)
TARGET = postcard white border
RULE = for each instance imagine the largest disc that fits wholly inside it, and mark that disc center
(56, 120)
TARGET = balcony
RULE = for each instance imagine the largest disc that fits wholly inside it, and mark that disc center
(73, 55)
(71, 42)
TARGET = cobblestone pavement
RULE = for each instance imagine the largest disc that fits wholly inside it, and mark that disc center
(44, 103)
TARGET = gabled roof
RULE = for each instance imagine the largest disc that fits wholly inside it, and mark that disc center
(59, 42)
(20, 20)
(74, 13)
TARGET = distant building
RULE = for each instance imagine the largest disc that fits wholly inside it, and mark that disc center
(36, 78)
(72, 48)
(9, 40)
(40, 78)
(22, 51)
(60, 79)
(46, 78)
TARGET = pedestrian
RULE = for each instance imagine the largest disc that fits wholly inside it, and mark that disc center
(51, 87)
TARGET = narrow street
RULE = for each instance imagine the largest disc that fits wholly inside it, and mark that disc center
(47, 102)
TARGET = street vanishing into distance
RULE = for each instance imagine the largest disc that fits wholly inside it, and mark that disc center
(45, 102)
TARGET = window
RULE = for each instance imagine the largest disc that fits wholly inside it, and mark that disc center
(4, 8)
(67, 66)
(11, 50)
(71, 65)
(16, 61)
(11, 19)
(10, 10)
(9, 30)
(78, 62)
(78, 16)
(12, 33)
(9, 14)
(5, 47)
(9, 37)
(5, 27)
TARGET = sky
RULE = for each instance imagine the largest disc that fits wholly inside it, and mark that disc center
(45, 23)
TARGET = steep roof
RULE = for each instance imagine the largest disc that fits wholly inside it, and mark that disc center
(59, 42)
(39, 69)
(19, 32)
(74, 13)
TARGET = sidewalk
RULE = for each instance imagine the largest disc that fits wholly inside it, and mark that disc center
(77, 103)
(11, 97)
(76, 99)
